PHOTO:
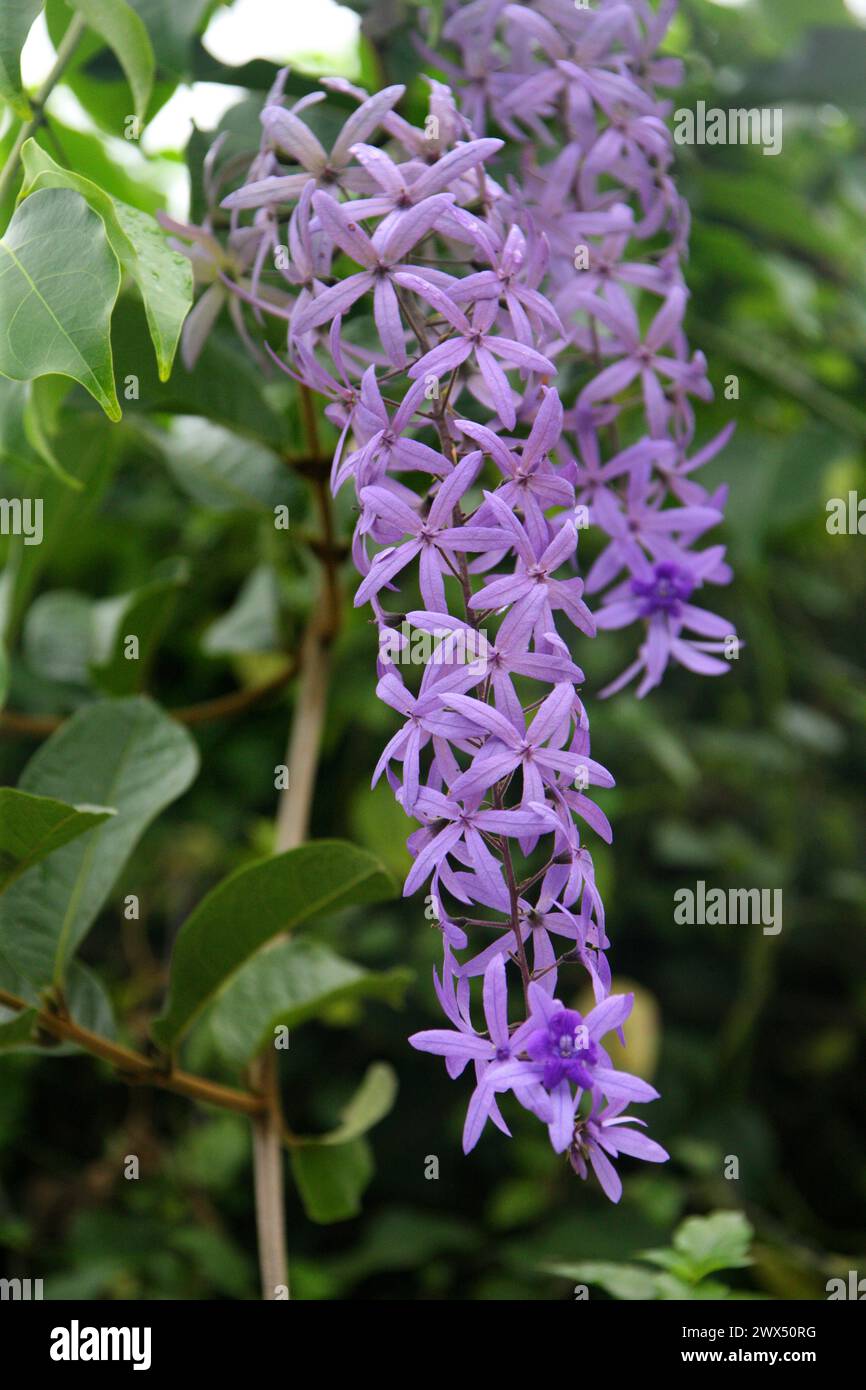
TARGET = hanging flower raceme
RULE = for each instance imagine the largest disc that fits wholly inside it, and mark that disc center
(433, 301)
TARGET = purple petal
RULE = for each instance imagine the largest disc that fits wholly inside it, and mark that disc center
(496, 1001)
(332, 302)
(293, 135)
(386, 312)
(364, 121)
(411, 227)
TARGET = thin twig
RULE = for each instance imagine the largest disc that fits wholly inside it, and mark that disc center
(133, 1067)
(293, 814)
(221, 707)
(68, 45)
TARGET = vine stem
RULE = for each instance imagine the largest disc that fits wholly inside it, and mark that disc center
(134, 1067)
(293, 814)
(220, 707)
(292, 822)
(68, 45)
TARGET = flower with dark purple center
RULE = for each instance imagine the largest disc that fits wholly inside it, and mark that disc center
(670, 587)
(566, 1050)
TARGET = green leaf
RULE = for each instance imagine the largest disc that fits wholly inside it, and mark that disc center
(225, 385)
(702, 1245)
(59, 281)
(90, 453)
(143, 613)
(138, 181)
(252, 906)
(31, 827)
(163, 276)
(98, 82)
(171, 27)
(670, 1289)
(220, 470)
(123, 753)
(372, 1101)
(126, 36)
(89, 1004)
(70, 639)
(18, 1031)
(332, 1170)
(331, 1182)
(56, 636)
(84, 995)
(14, 443)
(165, 279)
(45, 395)
(16, 21)
(286, 984)
(252, 624)
(718, 1241)
(627, 1282)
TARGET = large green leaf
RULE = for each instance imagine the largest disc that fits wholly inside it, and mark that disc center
(288, 983)
(16, 20)
(163, 276)
(90, 452)
(220, 470)
(31, 827)
(143, 613)
(122, 753)
(331, 1182)
(627, 1282)
(73, 640)
(251, 907)
(172, 26)
(85, 998)
(371, 1102)
(17, 1030)
(59, 280)
(252, 624)
(56, 636)
(332, 1170)
(45, 397)
(126, 35)
(225, 384)
(703, 1244)
(14, 443)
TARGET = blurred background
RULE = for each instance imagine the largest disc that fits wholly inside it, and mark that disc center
(756, 1042)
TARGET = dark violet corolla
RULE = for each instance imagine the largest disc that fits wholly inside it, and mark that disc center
(665, 592)
(565, 1049)
(495, 391)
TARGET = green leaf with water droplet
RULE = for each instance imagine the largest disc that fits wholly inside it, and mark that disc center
(59, 280)
(163, 276)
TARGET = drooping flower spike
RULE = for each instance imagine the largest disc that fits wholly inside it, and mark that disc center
(506, 364)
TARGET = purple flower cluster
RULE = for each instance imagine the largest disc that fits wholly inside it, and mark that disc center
(575, 91)
(433, 284)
